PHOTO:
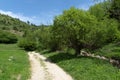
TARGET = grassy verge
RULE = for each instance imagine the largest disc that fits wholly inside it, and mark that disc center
(14, 64)
(85, 68)
(110, 51)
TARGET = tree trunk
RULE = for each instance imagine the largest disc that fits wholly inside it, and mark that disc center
(77, 51)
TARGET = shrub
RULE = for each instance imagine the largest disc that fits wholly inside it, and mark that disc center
(7, 37)
(27, 44)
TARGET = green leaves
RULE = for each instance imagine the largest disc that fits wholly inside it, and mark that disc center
(7, 37)
(27, 44)
(73, 25)
(99, 10)
(114, 10)
(79, 29)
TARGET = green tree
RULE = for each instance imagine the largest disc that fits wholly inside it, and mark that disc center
(27, 44)
(115, 9)
(100, 10)
(72, 26)
(7, 37)
(79, 29)
(43, 37)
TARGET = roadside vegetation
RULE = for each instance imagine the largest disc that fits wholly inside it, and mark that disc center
(84, 68)
(14, 64)
(7, 37)
(110, 51)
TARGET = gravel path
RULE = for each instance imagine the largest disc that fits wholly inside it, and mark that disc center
(45, 70)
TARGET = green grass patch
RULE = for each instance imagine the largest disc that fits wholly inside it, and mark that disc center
(85, 68)
(14, 63)
(110, 51)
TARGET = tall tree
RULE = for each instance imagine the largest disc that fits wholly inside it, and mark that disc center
(100, 10)
(115, 9)
(72, 27)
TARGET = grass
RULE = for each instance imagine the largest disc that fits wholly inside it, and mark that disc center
(85, 68)
(110, 51)
(14, 63)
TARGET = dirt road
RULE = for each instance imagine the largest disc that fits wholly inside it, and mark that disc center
(45, 70)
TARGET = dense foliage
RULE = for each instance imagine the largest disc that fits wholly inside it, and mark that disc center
(99, 10)
(27, 44)
(78, 29)
(7, 37)
(115, 9)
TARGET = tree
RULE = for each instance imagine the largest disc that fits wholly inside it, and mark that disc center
(27, 44)
(110, 8)
(72, 26)
(7, 37)
(115, 9)
(79, 29)
(100, 10)
(43, 37)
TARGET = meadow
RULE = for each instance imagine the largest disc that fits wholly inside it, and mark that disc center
(14, 64)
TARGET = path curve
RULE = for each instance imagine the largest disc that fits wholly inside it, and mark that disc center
(45, 70)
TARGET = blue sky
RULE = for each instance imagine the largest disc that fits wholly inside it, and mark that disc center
(40, 11)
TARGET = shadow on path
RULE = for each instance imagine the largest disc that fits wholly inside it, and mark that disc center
(61, 57)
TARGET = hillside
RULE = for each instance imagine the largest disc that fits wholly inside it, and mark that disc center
(14, 25)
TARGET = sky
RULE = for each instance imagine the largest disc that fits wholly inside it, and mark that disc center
(40, 11)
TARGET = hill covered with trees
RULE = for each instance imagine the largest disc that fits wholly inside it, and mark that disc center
(13, 28)
(9, 23)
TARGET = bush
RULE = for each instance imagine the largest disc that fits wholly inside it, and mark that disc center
(7, 37)
(27, 44)
(111, 50)
(77, 29)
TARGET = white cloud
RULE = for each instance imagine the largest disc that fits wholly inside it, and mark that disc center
(32, 19)
(17, 15)
(44, 18)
